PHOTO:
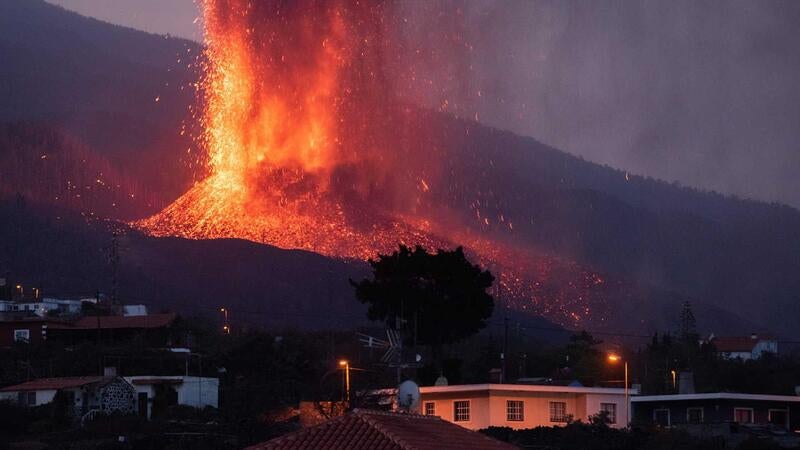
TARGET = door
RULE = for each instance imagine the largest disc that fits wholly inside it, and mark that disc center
(142, 404)
(661, 417)
(779, 417)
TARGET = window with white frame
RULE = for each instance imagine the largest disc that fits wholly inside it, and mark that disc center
(22, 336)
(461, 411)
(558, 412)
(743, 415)
(611, 411)
(694, 415)
(430, 408)
(515, 410)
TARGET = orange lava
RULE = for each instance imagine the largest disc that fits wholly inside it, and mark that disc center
(302, 152)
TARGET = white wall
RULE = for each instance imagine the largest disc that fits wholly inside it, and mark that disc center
(43, 397)
(193, 391)
(490, 409)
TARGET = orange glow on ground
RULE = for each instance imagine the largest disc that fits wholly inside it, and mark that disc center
(298, 151)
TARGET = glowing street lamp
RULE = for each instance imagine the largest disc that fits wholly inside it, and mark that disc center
(346, 365)
(226, 329)
(613, 358)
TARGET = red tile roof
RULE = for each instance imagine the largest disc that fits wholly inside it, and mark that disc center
(118, 322)
(367, 430)
(738, 343)
(47, 384)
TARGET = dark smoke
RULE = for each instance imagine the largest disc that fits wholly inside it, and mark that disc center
(703, 92)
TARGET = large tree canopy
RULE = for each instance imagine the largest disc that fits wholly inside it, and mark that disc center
(441, 297)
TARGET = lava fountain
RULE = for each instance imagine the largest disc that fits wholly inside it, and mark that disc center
(311, 146)
(296, 159)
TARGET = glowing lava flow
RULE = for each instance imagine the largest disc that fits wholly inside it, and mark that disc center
(278, 91)
(307, 150)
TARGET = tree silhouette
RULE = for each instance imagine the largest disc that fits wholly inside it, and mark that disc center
(435, 298)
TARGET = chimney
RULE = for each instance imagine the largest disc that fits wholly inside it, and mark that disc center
(109, 371)
(686, 383)
(495, 375)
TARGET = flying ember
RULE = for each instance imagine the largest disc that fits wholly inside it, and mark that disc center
(311, 144)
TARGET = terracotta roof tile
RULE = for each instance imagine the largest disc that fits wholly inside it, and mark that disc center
(369, 430)
(738, 343)
(44, 384)
(118, 322)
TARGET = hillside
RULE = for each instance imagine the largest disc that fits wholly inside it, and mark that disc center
(92, 87)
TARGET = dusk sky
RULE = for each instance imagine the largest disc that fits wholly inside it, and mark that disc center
(175, 17)
(640, 86)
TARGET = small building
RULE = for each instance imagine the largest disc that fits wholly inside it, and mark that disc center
(154, 329)
(363, 429)
(520, 406)
(722, 408)
(157, 392)
(24, 330)
(743, 347)
(83, 395)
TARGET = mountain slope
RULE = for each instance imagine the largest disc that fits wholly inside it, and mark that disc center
(656, 244)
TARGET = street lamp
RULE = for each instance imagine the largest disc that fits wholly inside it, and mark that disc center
(226, 329)
(615, 359)
(346, 365)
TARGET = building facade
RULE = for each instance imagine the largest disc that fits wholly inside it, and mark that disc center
(164, 391)
(480, 406)
(717, 408)
(82, 395)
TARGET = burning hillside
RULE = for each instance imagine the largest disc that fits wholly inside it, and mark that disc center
(310, 147)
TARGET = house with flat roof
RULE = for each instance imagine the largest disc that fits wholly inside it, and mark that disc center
(520, 406)
(156, 393)
(718, 408)
(730, 416)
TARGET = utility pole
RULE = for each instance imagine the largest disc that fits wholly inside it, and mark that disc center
(503, 373)
(114, 260)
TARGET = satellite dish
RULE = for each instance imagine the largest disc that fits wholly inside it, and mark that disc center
(408, 396)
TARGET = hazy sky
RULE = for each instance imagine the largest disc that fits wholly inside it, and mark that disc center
(175, 17)
(704, 92)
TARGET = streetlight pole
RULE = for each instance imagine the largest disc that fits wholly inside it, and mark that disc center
(616, 358)
(346, 365)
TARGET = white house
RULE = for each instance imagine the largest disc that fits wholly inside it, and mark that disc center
(197, 392)
(42, 306)
(744, 347)
(519, 406)
(85, 395)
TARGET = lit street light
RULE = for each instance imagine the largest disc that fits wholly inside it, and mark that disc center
(615, 359)
(226, 329)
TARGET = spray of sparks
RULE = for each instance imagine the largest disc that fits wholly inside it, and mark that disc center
(306, 149)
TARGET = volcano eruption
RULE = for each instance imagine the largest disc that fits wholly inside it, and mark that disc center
(312, 143)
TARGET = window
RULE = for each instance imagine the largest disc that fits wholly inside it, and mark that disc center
(461, 411)
(779, 417)
(515, 410)
(661, 417)
(743, 415)
(26, 398)
(430, 408)
(694, 415)
(558, 412)
(611, 411)
(22, 336)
